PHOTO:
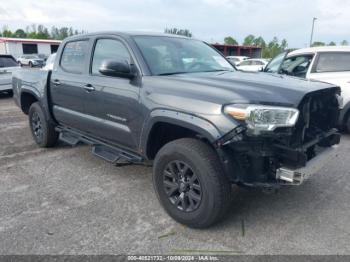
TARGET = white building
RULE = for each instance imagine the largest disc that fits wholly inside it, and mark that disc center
(20, 46)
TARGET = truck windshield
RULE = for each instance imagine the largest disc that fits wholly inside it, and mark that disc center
(171, 55)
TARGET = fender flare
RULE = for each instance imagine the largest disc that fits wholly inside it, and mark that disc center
(186, 120)
(42, 99)
(29, 91)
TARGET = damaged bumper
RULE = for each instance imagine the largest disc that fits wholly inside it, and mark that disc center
(297, 176)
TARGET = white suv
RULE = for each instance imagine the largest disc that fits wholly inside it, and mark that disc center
(329, 64)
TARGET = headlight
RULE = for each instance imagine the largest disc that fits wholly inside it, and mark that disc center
(263, 118)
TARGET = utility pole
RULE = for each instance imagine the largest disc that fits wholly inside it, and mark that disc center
(312, 30)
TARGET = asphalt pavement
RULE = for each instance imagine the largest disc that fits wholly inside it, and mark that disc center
(66, 201)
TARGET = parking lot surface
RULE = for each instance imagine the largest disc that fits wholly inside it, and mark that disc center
(66, 201)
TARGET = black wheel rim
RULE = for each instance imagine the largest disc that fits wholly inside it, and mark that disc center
(37, 127)
(182, 186)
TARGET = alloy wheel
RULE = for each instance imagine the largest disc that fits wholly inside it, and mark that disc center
(182, 186)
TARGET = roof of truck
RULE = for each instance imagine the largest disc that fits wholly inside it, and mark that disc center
(320, 49)
(128, 33)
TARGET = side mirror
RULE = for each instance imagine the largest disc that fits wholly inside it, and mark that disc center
(119, 68)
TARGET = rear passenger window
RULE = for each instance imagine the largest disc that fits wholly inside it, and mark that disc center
(73, 56)
(108, 49)
(333, 62)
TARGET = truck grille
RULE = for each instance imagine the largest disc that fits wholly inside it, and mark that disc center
(319, 112)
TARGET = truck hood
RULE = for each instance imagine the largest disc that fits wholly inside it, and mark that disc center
(237, 87)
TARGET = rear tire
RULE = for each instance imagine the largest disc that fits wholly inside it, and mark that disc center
(43, 131)
(197, 202)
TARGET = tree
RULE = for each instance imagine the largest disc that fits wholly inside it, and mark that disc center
(274, 47)
(249, 40)
(176, 31)
(284, 44)
(63, 33)
(229, 40)
(332, 43)
(318, 43)
(42, 33)
(344, 42)
(259, 41)
(19, 33)
(6, 32)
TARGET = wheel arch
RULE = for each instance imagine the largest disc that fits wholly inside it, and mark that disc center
(27, 98)
(172, 121)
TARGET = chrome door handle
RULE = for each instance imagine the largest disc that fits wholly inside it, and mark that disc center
(89, 87)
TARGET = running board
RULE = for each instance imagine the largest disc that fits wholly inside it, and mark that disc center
(112, 154)
(69, 138)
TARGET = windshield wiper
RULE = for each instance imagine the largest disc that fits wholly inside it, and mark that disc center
(218, 70)
(176, 73)
(173, 73)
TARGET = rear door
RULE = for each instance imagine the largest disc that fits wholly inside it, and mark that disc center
(334, 68)
(67, 82)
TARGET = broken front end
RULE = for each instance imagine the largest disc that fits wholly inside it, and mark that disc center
(279, 145)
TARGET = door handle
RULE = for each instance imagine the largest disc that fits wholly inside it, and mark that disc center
(56, 82)
(89, 87)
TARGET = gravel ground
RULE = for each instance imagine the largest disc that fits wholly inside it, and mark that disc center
(66, 201)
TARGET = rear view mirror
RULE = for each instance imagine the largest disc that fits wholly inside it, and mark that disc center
(116, 67)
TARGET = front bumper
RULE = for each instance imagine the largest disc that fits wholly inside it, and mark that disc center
(288, 176)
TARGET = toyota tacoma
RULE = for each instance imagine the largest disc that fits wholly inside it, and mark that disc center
(176, 103)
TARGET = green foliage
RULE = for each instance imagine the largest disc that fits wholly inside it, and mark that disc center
(318, 43)
(19, 34)
(332, 43)
(40, 32)
(229, 40)
(344, 42)
(249, 40)
(176, 31)
(269, 49)
(259, 41)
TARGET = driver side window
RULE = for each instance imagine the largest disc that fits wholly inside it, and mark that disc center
(296, 65)
(108, 49)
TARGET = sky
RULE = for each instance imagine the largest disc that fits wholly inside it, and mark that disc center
(209, 20)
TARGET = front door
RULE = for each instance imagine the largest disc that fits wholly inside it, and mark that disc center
(112, 103)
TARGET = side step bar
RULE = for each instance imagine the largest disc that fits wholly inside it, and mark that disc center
(110, 153)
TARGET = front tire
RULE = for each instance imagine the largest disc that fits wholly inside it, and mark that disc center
(30, 64)
(43, 131)
(190, 183)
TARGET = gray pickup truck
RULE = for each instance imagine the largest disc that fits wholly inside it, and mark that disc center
(177, 104)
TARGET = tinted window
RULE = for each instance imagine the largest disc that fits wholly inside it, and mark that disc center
(233, 59)
(244, 63)
(333, 62)
(73, 56)
(7, 62)
(258, 63)
(172, 55)
(108, 49)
